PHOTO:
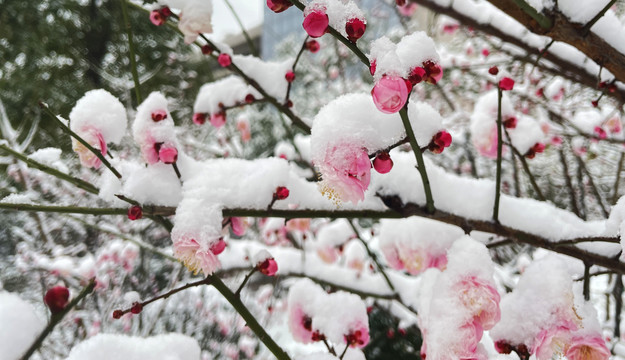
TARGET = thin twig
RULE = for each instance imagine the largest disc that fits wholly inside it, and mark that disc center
(586, 29)
(204, 281)
(429, 200)
(499, 152)
(619, 168)
(352, 46)
(51, 171)
(245, 280)
(299, 54)
(569, 183)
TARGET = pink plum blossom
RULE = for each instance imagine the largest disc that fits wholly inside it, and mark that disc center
(346, 173)
(195, 19)
(591, 347)
(94, 138)
(390, 94)
(194, 256)
(487, 146)
(300, 324)
(481, 299)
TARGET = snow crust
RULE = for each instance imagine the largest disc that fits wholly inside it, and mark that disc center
(113, 346)
(20, 325)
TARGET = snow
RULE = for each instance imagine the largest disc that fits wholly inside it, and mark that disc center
(113, 346)
(50, 156)
(20, 325)
(228, 92)
(99, 110)
(269, 75)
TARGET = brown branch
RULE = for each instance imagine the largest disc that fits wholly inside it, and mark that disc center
(567, 69)
(562, 29)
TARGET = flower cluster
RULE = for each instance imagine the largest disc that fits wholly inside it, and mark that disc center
(397, 68)
(556, 323)
(153, 130)
(416, 244)
(458, 304)
(314, 315)
(344, 16)
(524, 133)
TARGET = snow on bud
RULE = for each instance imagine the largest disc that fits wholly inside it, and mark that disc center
(506, 84)
(218, 119)
(355, 29)
(390, 94)
(316, 21)
(199, 118)
(265, 263)
(313, 46)
(98, 118)
(158, 115)
(278, 6)
(168, 154)
(383, 163)
(56, 299)
(224, 60)
(135, 212)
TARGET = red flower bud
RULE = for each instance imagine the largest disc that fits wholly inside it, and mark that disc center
(281, 193)
(135, 212)
(56, 299)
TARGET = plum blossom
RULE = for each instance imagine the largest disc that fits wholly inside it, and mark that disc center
(481, 299)
(98, 118)
(390, 94)
(94, 138)
(195, 256)
(345, 172)
(195, 19)
(591, 347)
